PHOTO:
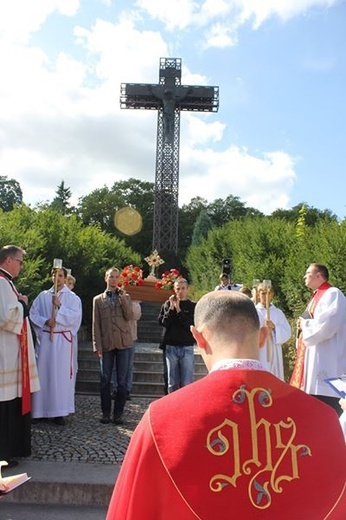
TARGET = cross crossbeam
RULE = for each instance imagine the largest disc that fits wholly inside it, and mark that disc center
(169, 98)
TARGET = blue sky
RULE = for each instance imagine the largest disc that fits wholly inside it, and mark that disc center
(279, 136)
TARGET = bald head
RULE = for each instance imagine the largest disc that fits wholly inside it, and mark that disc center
(227, 325)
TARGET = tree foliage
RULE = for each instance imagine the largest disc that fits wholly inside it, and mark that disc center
(10, 193)
(61, 201)
(201, 228)
(100, 206)
(47, 234)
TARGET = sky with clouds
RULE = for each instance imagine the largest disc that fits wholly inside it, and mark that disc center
(279, 135)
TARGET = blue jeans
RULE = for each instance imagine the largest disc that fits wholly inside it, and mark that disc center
(114, 380)
(180, 362)
(121, 360)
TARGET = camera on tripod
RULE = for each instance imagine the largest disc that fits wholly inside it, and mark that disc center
(226, 266)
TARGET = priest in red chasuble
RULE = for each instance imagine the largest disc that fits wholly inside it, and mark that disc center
(239, 443)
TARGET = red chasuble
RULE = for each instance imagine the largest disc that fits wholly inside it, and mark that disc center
(236, 444)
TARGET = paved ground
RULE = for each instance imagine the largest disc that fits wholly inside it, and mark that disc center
(74, 467)
(83, 438)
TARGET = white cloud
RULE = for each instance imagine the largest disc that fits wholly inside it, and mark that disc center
(223, 18)
(220, 36)
(60, 116)
(20, 18)
(174, 14)
(283, 9)
(262, 182)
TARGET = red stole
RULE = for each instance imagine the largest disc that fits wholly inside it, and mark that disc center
(23, 343)
(297, 378)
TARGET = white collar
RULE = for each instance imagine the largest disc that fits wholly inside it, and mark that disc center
(228, 363)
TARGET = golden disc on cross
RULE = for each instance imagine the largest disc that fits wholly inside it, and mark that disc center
(128, 221)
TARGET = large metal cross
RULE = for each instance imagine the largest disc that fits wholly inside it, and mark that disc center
(168, 97)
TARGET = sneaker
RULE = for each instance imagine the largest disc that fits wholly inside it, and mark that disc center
(105, 419)
(118, 420)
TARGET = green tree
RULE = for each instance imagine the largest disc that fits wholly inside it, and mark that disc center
(100, 206)
(61, 201)
(311, 215)
(222, 211)
(201, 228)
(187, 216)
(10, 193)
(47, 234)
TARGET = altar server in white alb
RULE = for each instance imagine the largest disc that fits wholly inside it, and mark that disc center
(321, 345)
(279, 331)
(56, 330)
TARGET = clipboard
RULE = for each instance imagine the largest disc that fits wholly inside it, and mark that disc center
(338, 384)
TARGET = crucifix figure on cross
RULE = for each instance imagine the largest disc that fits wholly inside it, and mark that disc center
(169, 98)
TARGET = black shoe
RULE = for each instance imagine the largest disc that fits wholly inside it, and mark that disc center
(60, 421)
(105, 419)
(128, 396)
(118, 420)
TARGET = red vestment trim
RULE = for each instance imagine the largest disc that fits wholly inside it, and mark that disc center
(297, 378)
(23, 344)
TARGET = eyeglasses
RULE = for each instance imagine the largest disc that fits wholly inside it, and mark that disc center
(17, 260)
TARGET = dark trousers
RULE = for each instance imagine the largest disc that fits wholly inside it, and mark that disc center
(121, 360)
(15, 430)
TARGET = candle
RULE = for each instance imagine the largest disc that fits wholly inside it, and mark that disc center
(57, 263)
(267, 284)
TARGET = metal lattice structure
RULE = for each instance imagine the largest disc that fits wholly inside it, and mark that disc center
(169, 98)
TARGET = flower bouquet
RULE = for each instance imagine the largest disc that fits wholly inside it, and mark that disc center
(131, 275)
(167, 280)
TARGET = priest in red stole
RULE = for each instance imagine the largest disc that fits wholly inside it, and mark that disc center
(239, 443)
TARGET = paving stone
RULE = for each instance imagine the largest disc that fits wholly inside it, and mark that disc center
(84, 438)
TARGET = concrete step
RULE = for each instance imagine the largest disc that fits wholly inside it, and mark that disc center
(148, 327)
(147, 370)
(14, 511)
(64, 484)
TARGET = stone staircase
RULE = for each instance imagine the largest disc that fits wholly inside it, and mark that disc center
(147, 370)
(148, 328)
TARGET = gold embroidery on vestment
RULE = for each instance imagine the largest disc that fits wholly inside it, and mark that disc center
(271, 447)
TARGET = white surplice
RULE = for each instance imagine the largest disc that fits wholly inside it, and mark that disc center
(11, 321)
(325, 340)
(56, 356)
(271, 355)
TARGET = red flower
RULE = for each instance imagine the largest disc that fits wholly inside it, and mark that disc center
(167, 279)
(131, 275)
